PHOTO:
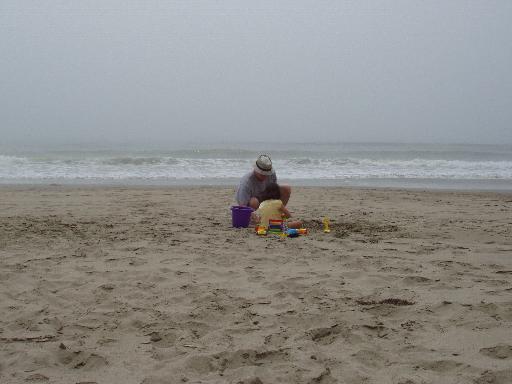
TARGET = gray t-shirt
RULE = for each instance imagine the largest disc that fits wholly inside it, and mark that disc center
(250, 186)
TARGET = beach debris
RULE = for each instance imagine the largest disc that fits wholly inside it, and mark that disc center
(391, 301)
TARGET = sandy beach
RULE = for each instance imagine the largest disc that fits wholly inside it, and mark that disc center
(153, 286)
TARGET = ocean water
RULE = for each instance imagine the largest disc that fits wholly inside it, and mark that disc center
(389, 165)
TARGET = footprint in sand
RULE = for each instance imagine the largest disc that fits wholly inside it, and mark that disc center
(370, 358)
(500, 351)
(158, 380)
(249, 357)
(498, 311)
(163, 340)
(91, 362)
(325, 336)
(250, 380)
(276, 339)
(441, 365)
(37, 378)
(495, 377)
(233, 360)
(82, 360)
(414, 280)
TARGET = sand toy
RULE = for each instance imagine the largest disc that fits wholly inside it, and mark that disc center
(326, 225)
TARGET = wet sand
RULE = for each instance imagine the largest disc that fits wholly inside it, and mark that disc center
(152, 285)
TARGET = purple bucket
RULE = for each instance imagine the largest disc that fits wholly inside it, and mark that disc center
(241, 216)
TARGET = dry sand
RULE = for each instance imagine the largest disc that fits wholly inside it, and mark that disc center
(152, 285)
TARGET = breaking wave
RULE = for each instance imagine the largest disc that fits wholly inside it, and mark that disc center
(88, 167)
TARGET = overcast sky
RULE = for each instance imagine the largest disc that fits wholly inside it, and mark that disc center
(160, 71)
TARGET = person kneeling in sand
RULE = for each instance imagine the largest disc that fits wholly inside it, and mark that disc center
(272, 208)
(252, 185)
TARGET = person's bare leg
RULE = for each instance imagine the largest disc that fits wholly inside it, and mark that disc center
(286, 191)
(255, 218)
(254, 203)
(295, 224)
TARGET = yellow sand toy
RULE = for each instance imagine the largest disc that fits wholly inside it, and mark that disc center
(261, 230)
(326, 225)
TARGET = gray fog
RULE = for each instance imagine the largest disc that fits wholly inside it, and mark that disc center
(240, 71)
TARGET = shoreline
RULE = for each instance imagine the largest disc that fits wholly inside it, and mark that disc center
(434, 185)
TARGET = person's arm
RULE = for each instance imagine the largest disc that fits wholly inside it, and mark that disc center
(243, 195)
(286, 213)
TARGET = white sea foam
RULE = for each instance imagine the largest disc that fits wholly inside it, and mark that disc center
(14, 168)
(324, 163)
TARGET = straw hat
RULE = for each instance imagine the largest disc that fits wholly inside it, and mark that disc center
(263, 165)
